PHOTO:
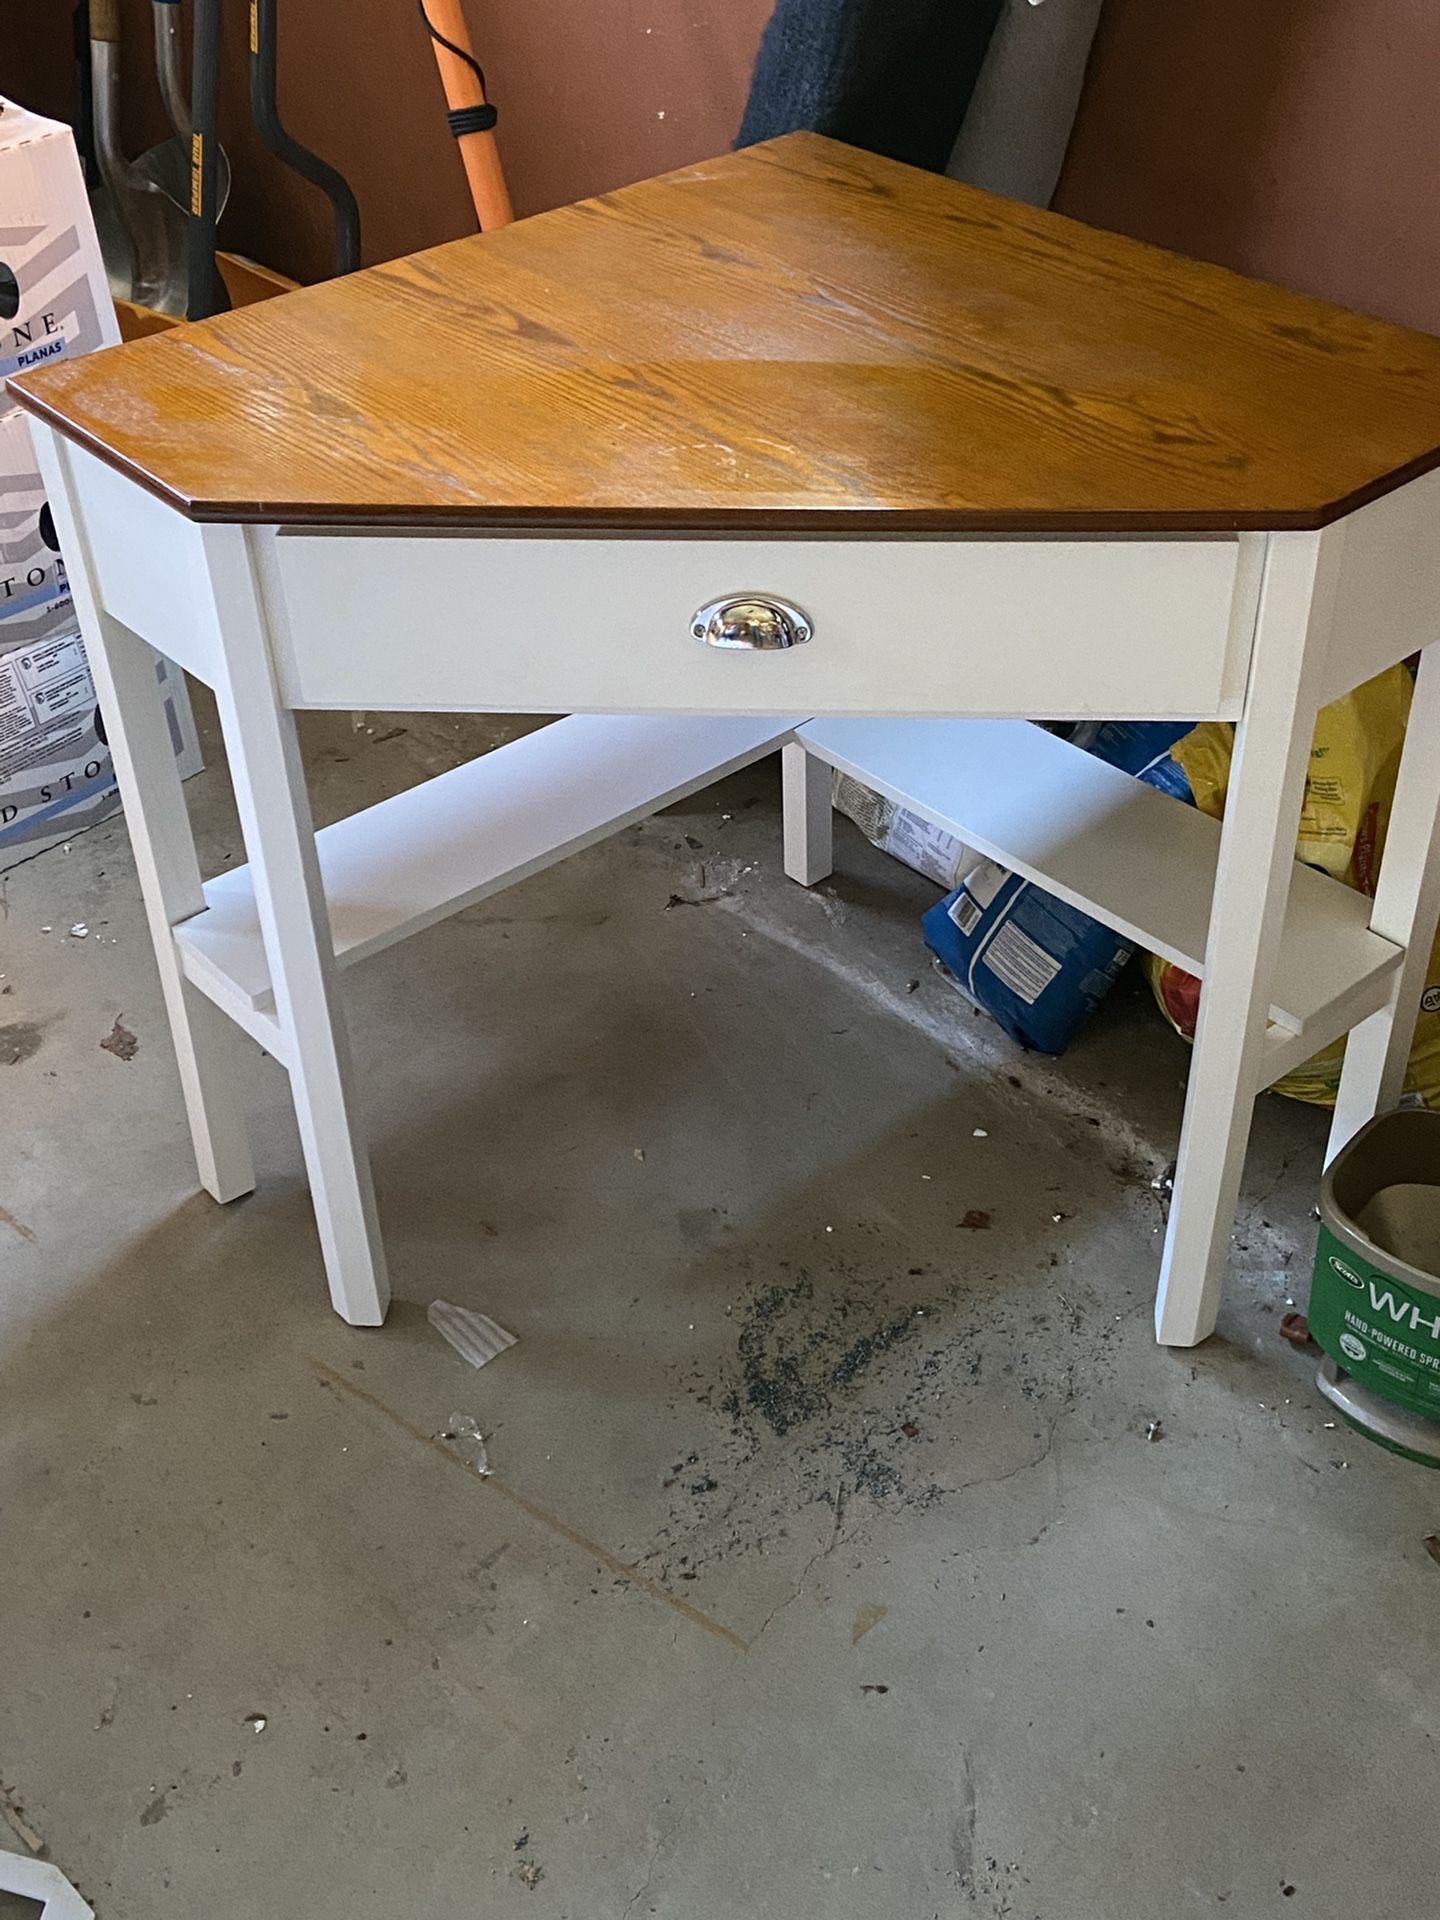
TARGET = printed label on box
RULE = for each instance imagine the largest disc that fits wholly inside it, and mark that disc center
(53, 756)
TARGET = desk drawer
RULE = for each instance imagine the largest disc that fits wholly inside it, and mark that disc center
(1113, 628)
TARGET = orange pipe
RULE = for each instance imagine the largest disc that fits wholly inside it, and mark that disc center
(463, 88)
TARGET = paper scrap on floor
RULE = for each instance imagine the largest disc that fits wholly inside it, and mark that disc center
(474, 1336)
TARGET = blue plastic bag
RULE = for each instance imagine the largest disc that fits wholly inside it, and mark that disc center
(1035, 964)
(1141, 747)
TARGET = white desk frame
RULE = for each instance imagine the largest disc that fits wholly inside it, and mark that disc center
(977, 632)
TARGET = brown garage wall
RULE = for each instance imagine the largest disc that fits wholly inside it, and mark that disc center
(1296, 139)
(592, 93)
(35, 58)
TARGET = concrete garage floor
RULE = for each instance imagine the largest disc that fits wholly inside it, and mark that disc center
(826, 1572)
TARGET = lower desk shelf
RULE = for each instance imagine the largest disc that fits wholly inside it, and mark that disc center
(426, 853)
(1131, 856)
(1135, 858)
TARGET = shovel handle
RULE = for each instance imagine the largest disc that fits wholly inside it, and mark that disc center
(105, 20)
(265, 112)
(165, 20)
(206, 290)
(464, 86)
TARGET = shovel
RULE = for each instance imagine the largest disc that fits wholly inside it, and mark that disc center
(111, 200)
(266, 115)
(165, 169)
(140, 208)
(205, 289)
(84, 109)
(168, 67)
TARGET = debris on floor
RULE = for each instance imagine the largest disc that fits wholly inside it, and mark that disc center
(1154, 1429)
(474, 1336)
(465, 1440)
(1296, 1329)
(868, 1618)
(11, 1814)
(121, 1042)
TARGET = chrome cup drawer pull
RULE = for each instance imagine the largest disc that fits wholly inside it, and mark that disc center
(752, 623)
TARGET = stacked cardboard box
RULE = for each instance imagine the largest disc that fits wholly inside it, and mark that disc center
(55, 770)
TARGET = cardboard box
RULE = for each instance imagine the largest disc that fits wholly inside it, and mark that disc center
(56, 776)
(54, 298)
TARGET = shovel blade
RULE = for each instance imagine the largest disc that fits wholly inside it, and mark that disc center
(164, 173)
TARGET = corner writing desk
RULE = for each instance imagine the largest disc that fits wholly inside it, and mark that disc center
(795, 448)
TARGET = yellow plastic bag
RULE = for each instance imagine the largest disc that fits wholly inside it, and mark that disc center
(1349, 788)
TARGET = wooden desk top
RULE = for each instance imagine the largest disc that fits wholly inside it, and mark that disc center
(799, 337)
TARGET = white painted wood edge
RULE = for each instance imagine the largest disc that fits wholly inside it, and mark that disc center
(257, 1019)
(1387, 590)
(1284, 1052)
(424, 854)
(1135, 858)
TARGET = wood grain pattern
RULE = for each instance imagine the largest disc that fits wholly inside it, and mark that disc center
(799, 337)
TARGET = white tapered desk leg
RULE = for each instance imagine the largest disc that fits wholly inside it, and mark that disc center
(1407, 905)
(808, 822)
(280, 840)
(123, 669)
(1257, 852)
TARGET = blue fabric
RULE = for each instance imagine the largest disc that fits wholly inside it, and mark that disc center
(892, 75)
